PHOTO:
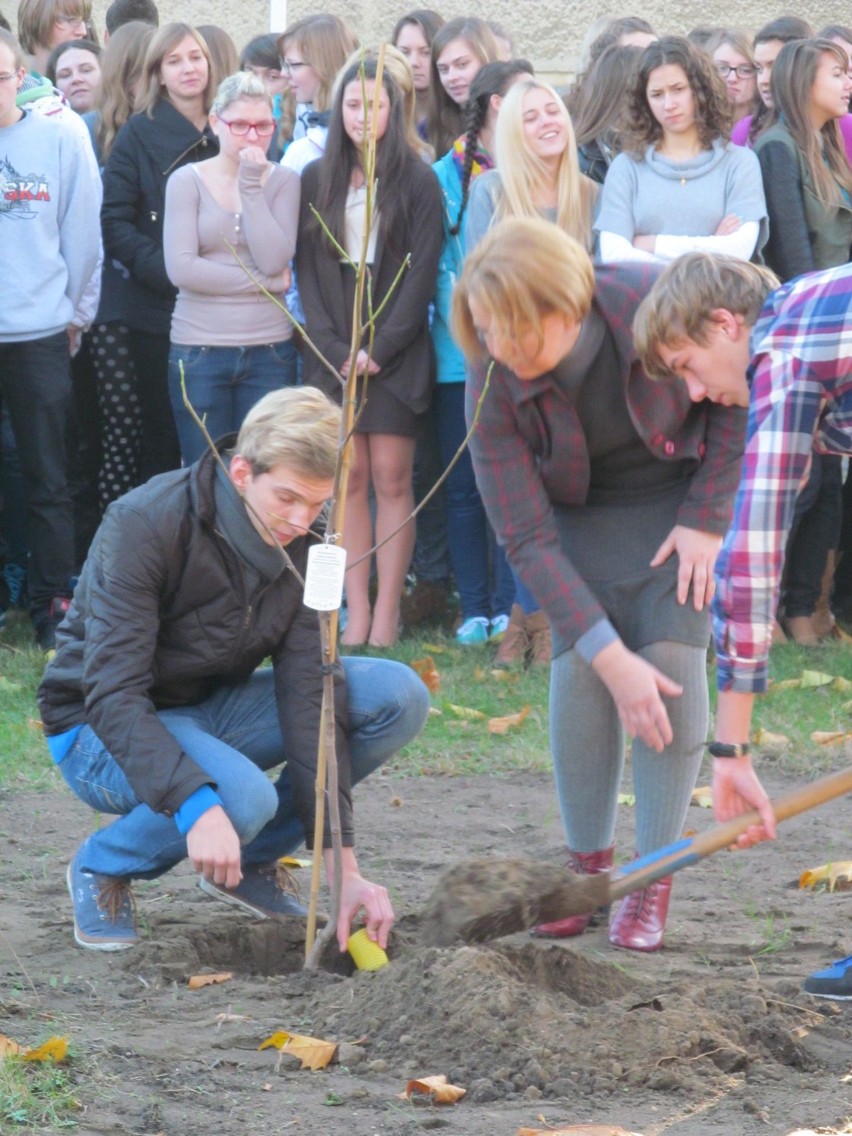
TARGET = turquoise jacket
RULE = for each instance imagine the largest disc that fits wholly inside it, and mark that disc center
(450, 361)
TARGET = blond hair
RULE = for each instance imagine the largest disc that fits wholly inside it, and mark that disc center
(164, 40)
(240, 85)
(14, 47)
(684, 297)
(324, 42)
(298, 427)
(37, 17)
(122, 63)
(520, 272)
(525, 179)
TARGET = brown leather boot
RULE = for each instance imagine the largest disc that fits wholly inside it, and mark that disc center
(585, 864)
(640, 921)
(513, 646)
(539, 640)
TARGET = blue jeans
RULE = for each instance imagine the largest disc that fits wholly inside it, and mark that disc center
(235, 736)
(223, 384)
(468, 530)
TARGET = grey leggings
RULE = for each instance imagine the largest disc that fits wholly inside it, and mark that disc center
(587, 744)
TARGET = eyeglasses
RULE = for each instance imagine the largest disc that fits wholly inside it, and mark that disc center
(70, 21)
(7, 77)
(291, 65)
(262, 129)
(743, 71)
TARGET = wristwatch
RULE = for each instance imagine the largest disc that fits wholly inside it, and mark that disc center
(724, 749)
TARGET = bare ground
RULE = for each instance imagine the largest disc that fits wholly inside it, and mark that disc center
(711, 1035)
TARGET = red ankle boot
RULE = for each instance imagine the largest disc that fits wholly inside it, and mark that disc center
(640, 921)
(585, 864)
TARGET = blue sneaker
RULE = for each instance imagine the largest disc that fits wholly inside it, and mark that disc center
(499, 627)
(266, 890)
(473, 630)
(834, 982)
(104, 911)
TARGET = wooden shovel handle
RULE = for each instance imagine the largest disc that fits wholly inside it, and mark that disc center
(691, 849)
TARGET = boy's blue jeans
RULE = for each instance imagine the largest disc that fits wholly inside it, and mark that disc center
(235, 736)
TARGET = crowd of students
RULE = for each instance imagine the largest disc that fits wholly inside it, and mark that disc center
(212, 163)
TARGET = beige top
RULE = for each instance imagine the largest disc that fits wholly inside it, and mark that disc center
(356, 209)
(218, 259)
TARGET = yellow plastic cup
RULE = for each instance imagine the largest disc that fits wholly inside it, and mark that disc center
(366, 954)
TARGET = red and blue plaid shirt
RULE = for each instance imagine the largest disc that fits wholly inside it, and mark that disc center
(529, 453)
(801, 400)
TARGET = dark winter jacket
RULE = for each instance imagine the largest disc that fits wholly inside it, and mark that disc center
(163, 615)
(145, 152)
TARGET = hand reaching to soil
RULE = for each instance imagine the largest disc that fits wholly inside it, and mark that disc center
(356, 894)
(214, 848)
(736, 789)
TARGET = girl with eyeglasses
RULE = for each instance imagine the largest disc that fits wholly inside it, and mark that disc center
(732, 57)
(765, 48)
(395, 367)
(680, 185)
(230, 231)
(44, 24)
(169, 130)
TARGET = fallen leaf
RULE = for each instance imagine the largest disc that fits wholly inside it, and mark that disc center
(8, 1048)
(36, 724)
(54, 1049)
(199, 980)
(628, 799)
(313, 1052)
(842, 684)
(816, 678)
(295, 862)
(466, 712)
(503, 725)
(827, 737)
(703, 797)
(440, 1091)
(434, 712)
(435, 648)
(428, 672)
(787, 684)
(837, 875)
(769, 742)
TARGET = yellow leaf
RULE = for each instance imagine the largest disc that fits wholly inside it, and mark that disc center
(703, 797)
(8, 1048)
(434, 712)
(435, 648)
(54, 1049)
(846, 708)
(294, 862)
(313, 1052)
(787, 684)
(428, 672)
(842, 684)
(479, 675)
(769, 742)
(816, 678)
(627, 799)
(503, 725)
(435, 1087)
(199, 980)
(465, 712)
(827, 737)
(836, 875)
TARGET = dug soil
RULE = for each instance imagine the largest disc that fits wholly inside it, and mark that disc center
(711, 1035)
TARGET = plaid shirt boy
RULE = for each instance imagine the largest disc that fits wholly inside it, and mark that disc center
(801, 400)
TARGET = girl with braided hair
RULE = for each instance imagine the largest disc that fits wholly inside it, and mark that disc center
(467, 526)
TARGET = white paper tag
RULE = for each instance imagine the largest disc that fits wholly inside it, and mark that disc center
(324, 577)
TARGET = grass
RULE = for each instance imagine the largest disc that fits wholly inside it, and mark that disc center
(454, 745)
(36, 1096)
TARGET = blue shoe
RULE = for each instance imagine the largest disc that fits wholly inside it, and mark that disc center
(473, 630)
(266, 890)
(834, 982)
(104, 911)
(499, 627)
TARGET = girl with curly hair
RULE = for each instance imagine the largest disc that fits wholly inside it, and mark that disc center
(683, 186)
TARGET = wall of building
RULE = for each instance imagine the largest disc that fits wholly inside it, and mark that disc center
(550, 34)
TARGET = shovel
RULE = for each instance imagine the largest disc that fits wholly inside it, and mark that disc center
(484, 899)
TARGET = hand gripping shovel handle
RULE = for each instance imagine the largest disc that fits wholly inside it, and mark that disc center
(690, 850)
